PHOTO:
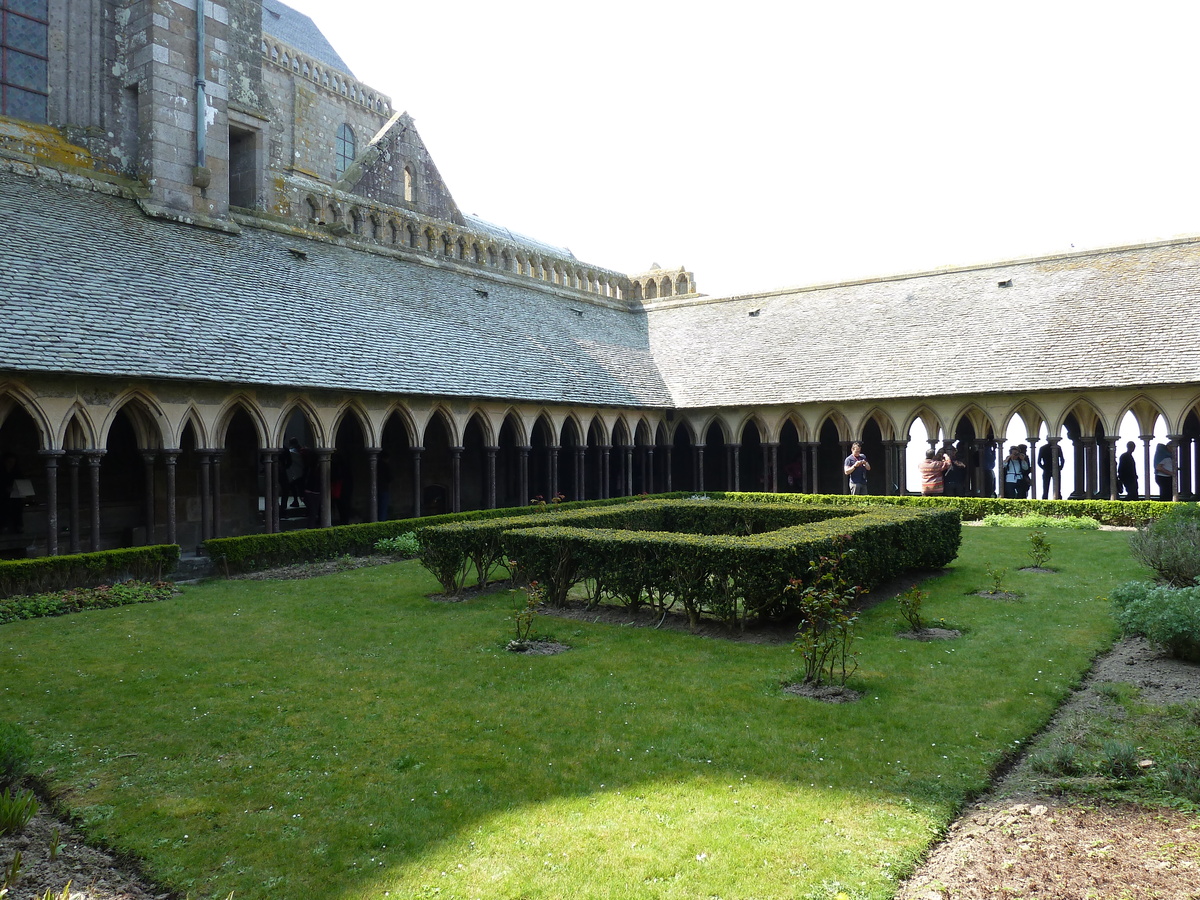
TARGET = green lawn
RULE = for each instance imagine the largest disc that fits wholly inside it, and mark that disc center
(344, 737)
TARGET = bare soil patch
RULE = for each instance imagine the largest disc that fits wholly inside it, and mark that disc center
(998, 595)
(931, 634)
(536, 648)
(826, 693)
(1020, 842)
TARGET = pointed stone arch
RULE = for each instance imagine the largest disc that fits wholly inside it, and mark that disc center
(883, 421)
(476, 469)
(191, 416)
(150, 424)
(979, 421)
(512, 460)
(1146, 410)
(353, 409)
(929, 419)
(14, 397)
(77, 430)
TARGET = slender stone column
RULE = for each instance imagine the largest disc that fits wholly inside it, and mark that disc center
(148, 458)
(667, 450)
(1035, 476)
(700, 468)
(1110, 460)
(1147, 468)
(72, 460)
(523, 473)
(373, 484)
(628, 471)
(206, 511)
(580, 464)
(93, 458)
(604, 451)
(270, 489)
(648, 485)
(217, 456)
(324, 458)
(1185, 466)
(813, 474)
(170, 457)
(491, 476)
(551, 473)
(456, 479)
(1176, 441)
(889, 467)
(1089, 467)
(416, 473)
(51, 458)
(1000, 457)
(734, 458)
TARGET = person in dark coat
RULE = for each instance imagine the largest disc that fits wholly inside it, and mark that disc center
(1127, 477)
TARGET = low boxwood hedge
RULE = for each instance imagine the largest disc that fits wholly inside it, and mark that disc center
(730, 559)
(1129, 513)
(252, 552)
(56, 573)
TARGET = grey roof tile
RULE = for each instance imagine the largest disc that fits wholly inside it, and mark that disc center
(190, 302)
(1117, 318)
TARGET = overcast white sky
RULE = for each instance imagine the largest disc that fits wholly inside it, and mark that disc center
(771, 144)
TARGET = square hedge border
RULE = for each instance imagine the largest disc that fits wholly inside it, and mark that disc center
(728, 559)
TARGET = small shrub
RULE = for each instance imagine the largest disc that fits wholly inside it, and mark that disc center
(1167, 616)
(1171, 546)
(1039, 549)
(910, 603)
(1066, 760)
(404, 545)
(58, 603)
(526, 604)
(1118, 759)
(1182, 778)
(16, 753)
(826, 601)
(996, 575)
(16, 809)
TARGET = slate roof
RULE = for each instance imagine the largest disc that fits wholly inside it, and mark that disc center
(295, 28)
(92, 285)
(1118, 318)
(513, 237)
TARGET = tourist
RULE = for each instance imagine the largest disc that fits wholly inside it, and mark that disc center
(1045, 461)
(1127, 477)
(955, 478)
(933, 473)
(1164, 470)
(856, 468)
(1016, 474)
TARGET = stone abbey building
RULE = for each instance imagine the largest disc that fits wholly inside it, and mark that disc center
(217, 243)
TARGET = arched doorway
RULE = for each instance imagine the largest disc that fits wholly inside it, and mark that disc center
(830, 457)
(751, 468)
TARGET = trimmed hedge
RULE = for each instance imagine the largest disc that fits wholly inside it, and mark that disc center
(1129, 513)
(252, 552)
(56, 573)
(728, 559)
